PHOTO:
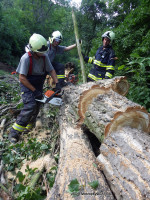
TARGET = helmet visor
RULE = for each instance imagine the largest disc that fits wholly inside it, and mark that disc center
(57, 39)
(42, 49)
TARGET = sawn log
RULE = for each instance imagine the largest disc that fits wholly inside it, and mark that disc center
(77, 161)
(121, 126)
(125, 160)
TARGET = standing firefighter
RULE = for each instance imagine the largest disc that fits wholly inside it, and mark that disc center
(55, 48)
(104, 60)
(32, 69)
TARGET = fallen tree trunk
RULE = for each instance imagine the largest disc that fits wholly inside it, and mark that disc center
(77, 162)
(104, 112)
(125, 159)
(81, 97)
(110, 112)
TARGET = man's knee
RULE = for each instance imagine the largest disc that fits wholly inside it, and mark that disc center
(31, 106)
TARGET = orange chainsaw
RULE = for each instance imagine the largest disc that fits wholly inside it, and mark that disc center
(51, 97)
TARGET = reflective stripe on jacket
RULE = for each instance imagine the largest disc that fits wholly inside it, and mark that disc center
(103, 64)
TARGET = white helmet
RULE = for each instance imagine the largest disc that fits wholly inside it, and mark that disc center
(37, 43)
(109, 34)
(57, 36)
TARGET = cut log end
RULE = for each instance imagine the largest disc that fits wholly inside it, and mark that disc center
(86, 99)
(134, 117)
(121, 86)
(118, 84)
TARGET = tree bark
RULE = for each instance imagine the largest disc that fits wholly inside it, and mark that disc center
(77, 161)
(125, 160)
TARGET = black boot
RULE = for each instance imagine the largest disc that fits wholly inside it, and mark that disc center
(14, 136)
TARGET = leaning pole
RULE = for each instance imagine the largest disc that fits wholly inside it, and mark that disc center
(79, 47)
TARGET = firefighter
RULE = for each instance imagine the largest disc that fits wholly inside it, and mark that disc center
(33, 67)
(56, 48)
(104, 60)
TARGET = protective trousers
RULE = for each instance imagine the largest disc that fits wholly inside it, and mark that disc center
(60, 71)
(30, 110)
(27, 117)
(96, 73)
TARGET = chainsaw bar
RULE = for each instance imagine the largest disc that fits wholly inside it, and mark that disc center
(53, 99)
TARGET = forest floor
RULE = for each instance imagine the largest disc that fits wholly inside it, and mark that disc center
(28, 168)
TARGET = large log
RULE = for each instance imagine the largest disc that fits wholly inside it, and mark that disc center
(125, 159)
(77, 162)
(81, 97)
(110, 112)
(104, 110)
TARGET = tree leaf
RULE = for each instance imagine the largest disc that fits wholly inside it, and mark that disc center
(94, 184)
(20, 176)
(73, 186)
(121, 67)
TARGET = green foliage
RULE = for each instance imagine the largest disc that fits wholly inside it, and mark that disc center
(25, 192)
(51, 176)
(20, 176)
(91, 19)
(133, 36)
(138, 73)
(74, 187)
(9, 93)
(13, 155)
(3, 73)
(30, 171)
(13, 39)
(94, 184)
(119, 9)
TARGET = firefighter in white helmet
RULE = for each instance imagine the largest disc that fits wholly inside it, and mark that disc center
(56, 48)
(33, 67)
(104, 60)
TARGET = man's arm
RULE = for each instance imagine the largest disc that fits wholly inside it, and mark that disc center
(70, 47)
(25, 82)
(54, 76)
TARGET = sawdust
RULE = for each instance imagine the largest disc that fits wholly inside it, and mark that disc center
(44, 162)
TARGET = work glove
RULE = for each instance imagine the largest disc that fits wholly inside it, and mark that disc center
(86, 59)
(58, 87)
(37, 94)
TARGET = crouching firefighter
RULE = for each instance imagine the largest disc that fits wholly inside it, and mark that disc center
(104, 60)
(33, 67)
(56, 48)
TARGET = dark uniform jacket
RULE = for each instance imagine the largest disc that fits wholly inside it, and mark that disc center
(103, 64)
